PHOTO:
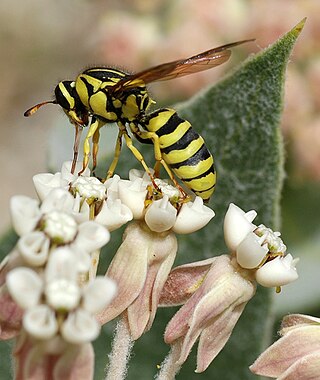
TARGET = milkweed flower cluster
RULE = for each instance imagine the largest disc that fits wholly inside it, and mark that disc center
(215, 292)
(53, 299)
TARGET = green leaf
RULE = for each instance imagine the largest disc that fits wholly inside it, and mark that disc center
(239, 119)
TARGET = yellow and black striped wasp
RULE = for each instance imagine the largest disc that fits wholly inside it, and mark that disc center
(102, 95)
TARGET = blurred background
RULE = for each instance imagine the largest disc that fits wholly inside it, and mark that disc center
(43, 42)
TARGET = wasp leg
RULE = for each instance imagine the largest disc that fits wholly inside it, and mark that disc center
(145, 135)
(137, 153)
(95, 148)
(117, 152)
(95, 125)
(76, 147)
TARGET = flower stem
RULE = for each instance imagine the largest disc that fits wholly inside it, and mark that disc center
(121, 350)
(170, 367)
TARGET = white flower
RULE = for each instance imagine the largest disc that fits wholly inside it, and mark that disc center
(277, 272)
(34, 248)
(192, 217)
(45, 182)
(25, 214)
(160, 215)
(25, 286)
(40, 322)
(89, 187)
(54, 301)
(251, 251)
(258, 248)
(133, 195)
(237, 224)
(58, 200)
(59, 226)
(113, 214)
(91, 236)
(66, 171)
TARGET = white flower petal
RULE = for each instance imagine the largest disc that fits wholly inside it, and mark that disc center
(62, 264)
(160, 215)
(66, 171)
(250, 253)
(112, 187)
(277, 272)
(40, 322)
(83, 258)
(133, 195)
(62, 294)
(237, 224)
(91, 236)
(192, 217)
(58, 200)
(140, 174)
(98, 294)
(34, 248)
(45, 182)
(113, 214)
(25, 214)
(80, 327)
(80, 210)
(25, 286)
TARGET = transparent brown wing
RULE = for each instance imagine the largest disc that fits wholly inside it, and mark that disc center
(176, 69)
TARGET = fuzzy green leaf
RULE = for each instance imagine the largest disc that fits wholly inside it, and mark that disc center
(239, 119)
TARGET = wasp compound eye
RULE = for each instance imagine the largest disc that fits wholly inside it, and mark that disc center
(65, 95)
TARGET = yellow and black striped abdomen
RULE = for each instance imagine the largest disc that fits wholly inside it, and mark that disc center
(184, 150)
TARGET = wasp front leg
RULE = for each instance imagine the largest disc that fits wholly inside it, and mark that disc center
(76, 143)
(117, 152)
(95, 125)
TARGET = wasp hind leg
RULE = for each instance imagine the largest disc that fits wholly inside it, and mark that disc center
(145, 135)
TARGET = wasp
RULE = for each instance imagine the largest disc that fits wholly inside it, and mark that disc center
(102, 95)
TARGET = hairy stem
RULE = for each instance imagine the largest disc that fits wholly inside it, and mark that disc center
(170, 367)
(121, 350)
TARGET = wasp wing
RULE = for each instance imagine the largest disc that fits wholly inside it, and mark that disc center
(176, 69)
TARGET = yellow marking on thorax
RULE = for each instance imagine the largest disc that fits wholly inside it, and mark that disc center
(98, 104)
(130, 107)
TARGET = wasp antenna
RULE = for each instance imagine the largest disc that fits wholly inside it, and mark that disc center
(35, 108)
